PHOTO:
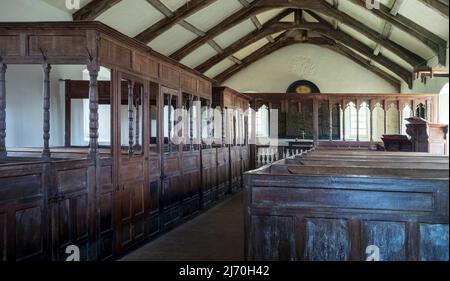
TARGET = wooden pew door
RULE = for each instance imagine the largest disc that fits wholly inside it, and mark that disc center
(132, 147)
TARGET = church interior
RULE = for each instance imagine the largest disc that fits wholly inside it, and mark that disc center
(224, 130)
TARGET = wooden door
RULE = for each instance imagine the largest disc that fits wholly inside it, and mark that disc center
(72, 209)
(132, 141)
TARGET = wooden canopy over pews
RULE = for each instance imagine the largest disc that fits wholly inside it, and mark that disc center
(328, 205)
(109, 198)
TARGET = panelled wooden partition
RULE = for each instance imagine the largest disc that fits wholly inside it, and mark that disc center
(106, 199)
(322, 117)
(334, 205)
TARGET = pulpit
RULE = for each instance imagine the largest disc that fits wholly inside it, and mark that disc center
(397, 143)
(426, 136)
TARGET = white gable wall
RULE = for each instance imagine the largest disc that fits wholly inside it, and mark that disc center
(331, 72)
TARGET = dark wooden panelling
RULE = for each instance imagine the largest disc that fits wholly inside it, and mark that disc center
(169, 75)
(188, 83)
(145, 66)
(276, 241)
(10, 45)
(57, 45)
(13, 188)
(434, 244)
(327, 240)
(339, 216)
(72, 180)
(389, 237)
(204, 89)
(115, 54)
(29, 233)
(3, 232)
(348, 199)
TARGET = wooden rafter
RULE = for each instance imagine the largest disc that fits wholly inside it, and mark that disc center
(405, 54)
(246, 13)
(437, 5)
(349, 53)
(165, 24)
(320, 6)
(94, 9)
(323, 28)
(284, 41)
(271, 27)
(247, 40)
(363, 49)
(234, 19)
(431, 40)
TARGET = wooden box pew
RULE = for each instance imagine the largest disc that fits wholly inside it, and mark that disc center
(235, 104)
(367, 171)
(57, 153)
(223, 172)
(335, 214)
(127, 199)
(236, 168)
(154, 201)
(191, 185)
(64, 194)
(381, 158)
(370, 153)
(393, 164)
(210, 179)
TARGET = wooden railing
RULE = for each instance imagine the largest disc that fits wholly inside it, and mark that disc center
(266, 155)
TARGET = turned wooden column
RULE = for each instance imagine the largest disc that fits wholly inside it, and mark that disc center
(46, 108)
(130, 118)
(343, 120)
(315, 121)
(3, 152)
(385, 116)
(371, 121)
(400, 116)
(137, 135)
(169, 111)
(209, 122)
(252, 139)
(93, 111)
(330, 109)
(191, 122)
(357, 120)
(224, 116)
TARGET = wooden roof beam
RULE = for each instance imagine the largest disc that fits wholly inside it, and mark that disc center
(363, 49)
(405, 54)
(319, 6)
(94, 9)
(176, 17)
(347, 52)
(267, 29)
(252, 9)
(431, 40)
(283, 41)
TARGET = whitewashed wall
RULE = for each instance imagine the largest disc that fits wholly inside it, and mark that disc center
(331, 72)
(24, 114)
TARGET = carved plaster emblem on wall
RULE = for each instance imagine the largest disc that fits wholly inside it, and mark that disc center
(302, 67)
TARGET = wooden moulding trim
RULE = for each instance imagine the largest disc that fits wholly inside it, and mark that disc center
(7, 27)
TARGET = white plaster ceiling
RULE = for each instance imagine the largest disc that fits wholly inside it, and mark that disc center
(133, 16)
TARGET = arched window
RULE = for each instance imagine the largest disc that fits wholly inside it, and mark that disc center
(262, 122)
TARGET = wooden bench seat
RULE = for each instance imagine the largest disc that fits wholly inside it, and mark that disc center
(334, 208)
